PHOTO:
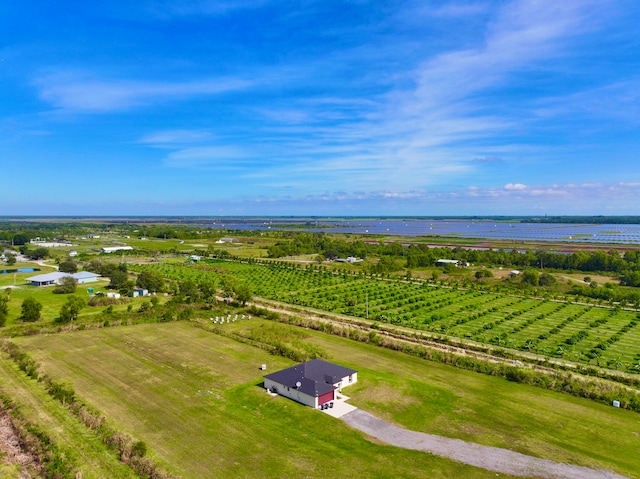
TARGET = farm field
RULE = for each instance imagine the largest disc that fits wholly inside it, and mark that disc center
(195, 398)
(599, 335)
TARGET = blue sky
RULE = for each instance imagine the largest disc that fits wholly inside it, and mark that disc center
(259, 107)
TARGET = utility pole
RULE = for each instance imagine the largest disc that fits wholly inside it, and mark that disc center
(366, 308)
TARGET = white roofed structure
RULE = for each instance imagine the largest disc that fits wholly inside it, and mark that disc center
(50, 279)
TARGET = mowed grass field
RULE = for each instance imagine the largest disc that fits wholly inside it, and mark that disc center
(195, 398)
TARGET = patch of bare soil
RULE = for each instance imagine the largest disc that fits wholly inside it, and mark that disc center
(12, 450)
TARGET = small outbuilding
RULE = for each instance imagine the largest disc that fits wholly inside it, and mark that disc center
(140, 292)
(312, 383)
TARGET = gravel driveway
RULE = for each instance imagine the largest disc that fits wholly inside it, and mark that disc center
(486, 457)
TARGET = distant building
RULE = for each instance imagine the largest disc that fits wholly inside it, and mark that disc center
(73, 253)
(51, 279)
(313, 383)
(113, 249)
(455, 262)
(349, 259)
(140, 292)
(226, 240)
(195, 257)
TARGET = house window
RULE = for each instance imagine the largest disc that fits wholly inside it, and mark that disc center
(351, 378)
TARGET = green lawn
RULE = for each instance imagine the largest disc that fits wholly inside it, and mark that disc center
(195, 398)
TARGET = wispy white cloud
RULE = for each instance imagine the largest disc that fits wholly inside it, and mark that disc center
(619, 101)
(434, 124)
(175, 138)
(205, 156)
(71, 92)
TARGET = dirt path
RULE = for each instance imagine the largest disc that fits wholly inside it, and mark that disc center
(11, 449)
(486, 457)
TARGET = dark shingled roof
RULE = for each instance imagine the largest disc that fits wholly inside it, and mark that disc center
(316, 377)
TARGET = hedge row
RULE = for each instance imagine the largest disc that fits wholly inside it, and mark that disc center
(129, 450)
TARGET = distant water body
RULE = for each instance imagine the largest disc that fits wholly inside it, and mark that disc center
(556, 232)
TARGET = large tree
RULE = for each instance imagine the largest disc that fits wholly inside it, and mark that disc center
(37, 253)
(11, 258)
(150, 280)
(68, 266)
(19, 239)
(67, 285)
(31, 308)
(530, 276)
(243, 294)
(71, 309)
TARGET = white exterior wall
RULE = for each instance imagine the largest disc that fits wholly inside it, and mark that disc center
(292, 393)
(344, 382)
(87, 280)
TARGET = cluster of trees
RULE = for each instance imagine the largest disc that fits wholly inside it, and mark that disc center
(608, 292)
(295, 243)
(206, 290)
(10, 258)
(21, 233)
(34, 253)
(532, 277)
(422, 255)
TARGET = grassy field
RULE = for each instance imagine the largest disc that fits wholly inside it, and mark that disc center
(78, 444)
(195, 398)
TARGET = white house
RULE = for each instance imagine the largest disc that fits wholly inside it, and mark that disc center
(313, 383)
(54, 278)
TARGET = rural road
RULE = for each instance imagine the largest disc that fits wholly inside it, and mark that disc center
(486, 457)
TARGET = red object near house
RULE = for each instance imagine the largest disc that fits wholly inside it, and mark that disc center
(326, 398)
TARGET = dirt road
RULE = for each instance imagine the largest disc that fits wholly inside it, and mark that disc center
(486, 457)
